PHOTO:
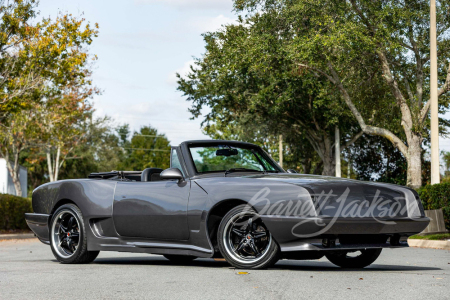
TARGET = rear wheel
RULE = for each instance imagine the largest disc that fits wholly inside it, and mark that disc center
(244, 240)
(68, 236)
(180, 259)
(354, 259)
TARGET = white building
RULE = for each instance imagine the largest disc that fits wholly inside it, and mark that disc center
(6, 183)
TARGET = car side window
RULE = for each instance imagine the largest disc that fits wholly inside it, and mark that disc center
(175, 161)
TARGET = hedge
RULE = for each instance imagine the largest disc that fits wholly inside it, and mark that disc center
(12, 210)
(437, 196)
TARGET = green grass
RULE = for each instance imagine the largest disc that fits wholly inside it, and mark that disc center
(435, 237)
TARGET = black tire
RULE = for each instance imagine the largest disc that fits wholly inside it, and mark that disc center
(263, 251)
(180, 259)
(79, 254)
(343, 260)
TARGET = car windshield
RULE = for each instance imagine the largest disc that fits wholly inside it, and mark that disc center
(222, 158)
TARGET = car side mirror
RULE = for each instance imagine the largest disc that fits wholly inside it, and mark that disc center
(291, 171)
(172, 173)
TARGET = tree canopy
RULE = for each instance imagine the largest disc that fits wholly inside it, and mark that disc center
(45, 84)
(366, 58)
(249, 80)
(354, 43)
(146, 149)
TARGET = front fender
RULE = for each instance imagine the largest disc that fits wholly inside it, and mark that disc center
(267, 197)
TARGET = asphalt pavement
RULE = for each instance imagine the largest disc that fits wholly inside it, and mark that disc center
(28, 270)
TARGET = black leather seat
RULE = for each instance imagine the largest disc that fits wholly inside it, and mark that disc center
(151, 174)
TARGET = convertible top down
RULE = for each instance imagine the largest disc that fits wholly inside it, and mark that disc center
(224, 199)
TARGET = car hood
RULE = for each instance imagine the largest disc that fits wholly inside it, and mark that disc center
(314, 181)
(331, 189)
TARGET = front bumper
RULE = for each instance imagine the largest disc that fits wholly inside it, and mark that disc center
(297, 233)
(38, 223)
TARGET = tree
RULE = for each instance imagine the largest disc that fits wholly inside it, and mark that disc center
(100, 150)
(44, 125)
(35, 163)
(374, 158)
(16, 29)
(55, 54)
(247, 77)
(63, 125)
(62, 131)
(17, 135)
(354, 42)
(298, 153)
(104, 147)
(446, 159)
(147, 149)
(68, 86)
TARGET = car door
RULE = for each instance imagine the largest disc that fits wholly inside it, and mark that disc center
(154, 210)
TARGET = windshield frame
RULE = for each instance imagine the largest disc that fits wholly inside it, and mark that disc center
(242, 145)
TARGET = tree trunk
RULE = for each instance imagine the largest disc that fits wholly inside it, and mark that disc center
(17, 184)
(329, 163)
(337, 148)
(329, 166)
(412, 151)
(317, 168)
(58, 153)
(349, 168)
(321, 141)
(14, 171)
(306, 166)
(414, 159)
(49, 165)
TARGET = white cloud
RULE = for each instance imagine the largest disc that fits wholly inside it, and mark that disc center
(183, 71)
(191, 4)
(208, 24)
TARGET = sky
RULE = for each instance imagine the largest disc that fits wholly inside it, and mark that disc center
(140, 47)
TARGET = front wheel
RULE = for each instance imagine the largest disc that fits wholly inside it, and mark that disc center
(68, 236)
(354, 259)
(244, 240)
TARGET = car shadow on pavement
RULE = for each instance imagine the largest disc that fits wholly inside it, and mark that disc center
(329, 267)
(282, 265)
(160, 261)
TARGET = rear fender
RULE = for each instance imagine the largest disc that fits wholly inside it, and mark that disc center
(93, 197)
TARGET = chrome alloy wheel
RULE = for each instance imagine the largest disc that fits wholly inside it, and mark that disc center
(246, 238)
(65, 233)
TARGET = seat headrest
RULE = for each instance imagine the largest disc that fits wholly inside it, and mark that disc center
(151, 174)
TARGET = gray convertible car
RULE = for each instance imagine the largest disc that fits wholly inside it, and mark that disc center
(224, 199)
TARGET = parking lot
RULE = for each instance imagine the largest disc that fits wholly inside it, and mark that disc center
(28, 270)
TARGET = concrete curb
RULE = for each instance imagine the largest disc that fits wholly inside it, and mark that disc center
(19, 236)
(444, 245)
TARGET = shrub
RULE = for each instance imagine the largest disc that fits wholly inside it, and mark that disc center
(432, 237)
(437, 196)
(12, 210)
